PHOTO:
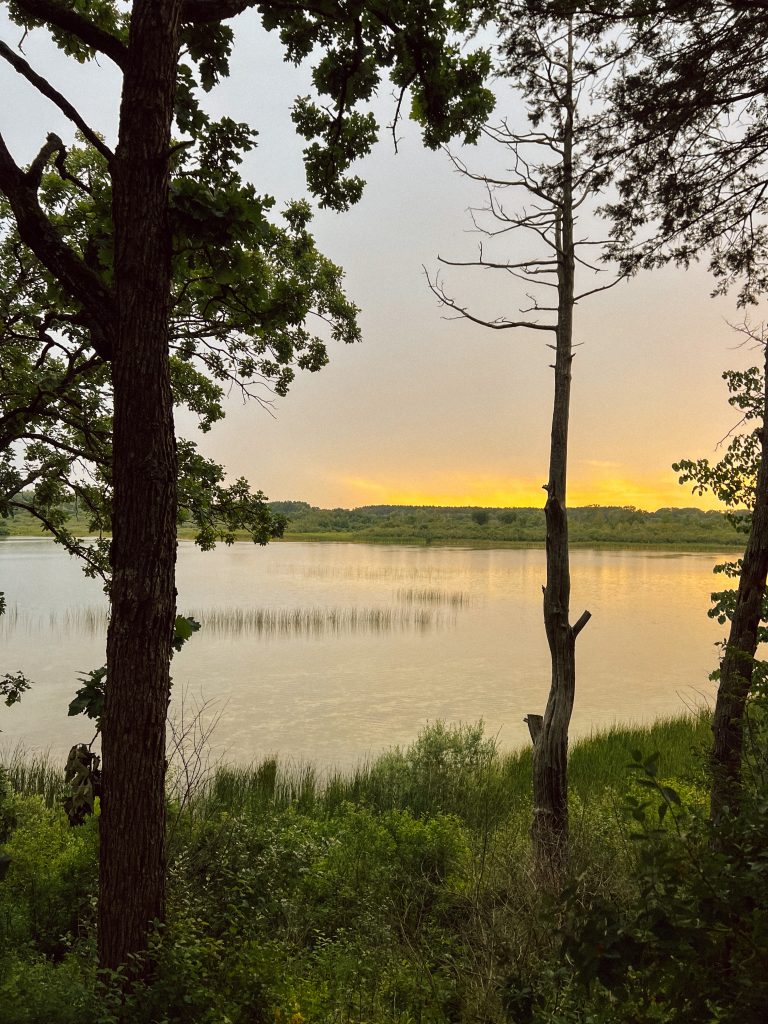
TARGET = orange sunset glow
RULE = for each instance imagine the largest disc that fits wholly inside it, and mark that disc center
(648, 493)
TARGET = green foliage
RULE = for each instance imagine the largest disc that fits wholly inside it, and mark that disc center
(733, 481)
(392, 896)
(83, 780)
(430, 524)
(686, 948)
(35, 989)
(12, 686)
(89, 698)
(418, 44)
(184, 627)
(46, 897)
(686, 139)
(246, 287)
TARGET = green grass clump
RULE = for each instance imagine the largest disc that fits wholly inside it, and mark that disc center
(601, 760)
(33, 775)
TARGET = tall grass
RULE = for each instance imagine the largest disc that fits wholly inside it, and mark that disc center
(451, 598)
(458, 770)
(601, 760)
(236, 622)
(448, 769)
(313, 621)
(34, 774)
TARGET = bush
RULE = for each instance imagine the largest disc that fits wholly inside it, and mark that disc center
(47, 893)
(692, 946)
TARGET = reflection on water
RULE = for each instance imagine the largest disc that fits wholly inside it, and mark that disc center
(371, 573)
(334, 651)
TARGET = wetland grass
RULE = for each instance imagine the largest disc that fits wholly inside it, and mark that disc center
(456, 769)
(34, 774)
(242, 621)
(450, 768)
(314, 622)
(431, 596)
(601, 761)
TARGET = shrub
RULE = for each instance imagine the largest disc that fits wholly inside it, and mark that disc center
(51, 880)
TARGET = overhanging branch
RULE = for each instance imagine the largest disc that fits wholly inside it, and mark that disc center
(39, 235)
(19, 64)
(60, 15)
(494, 325)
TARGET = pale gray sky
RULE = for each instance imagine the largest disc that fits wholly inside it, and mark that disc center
(429, 410)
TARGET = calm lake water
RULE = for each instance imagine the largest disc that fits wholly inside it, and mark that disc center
(332, 652)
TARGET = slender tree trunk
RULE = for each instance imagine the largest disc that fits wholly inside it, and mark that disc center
(132, 854)
(550, 752)
(736, 667)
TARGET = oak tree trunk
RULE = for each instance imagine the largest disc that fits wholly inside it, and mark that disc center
(132, 851)
(736, 667)
(550, 752)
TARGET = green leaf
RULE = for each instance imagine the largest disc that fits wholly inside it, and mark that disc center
(183, 628)
(89, 699)
(671, 795)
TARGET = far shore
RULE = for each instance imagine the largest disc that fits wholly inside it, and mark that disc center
(677, 546)
(591, 526)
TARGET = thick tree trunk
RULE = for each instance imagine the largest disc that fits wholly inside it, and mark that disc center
(550, 752)
(132, 857)
(737, 663)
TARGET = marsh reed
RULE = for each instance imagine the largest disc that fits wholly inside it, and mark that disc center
(433, 596)
(243, 621)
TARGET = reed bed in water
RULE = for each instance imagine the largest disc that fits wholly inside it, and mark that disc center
(314, 621)
(237, 621)
(451, 598)
(89, 620)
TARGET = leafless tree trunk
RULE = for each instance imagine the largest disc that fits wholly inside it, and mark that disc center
(550, 752)
(542, 60)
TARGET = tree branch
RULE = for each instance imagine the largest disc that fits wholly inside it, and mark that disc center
(207, 11)
(39, 235)
(19, 64)
(61, 16)
(580, 623)
(495, 325)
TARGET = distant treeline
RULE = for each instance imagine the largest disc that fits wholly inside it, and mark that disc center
(592, 524)
(491, 527)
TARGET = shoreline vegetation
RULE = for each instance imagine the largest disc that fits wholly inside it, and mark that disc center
(400, 891)
(470, 526)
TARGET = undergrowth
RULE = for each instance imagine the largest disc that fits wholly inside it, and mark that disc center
(404, 892)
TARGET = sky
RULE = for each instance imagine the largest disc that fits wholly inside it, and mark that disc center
(430, 409)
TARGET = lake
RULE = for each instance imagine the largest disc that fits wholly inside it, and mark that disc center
(333, 652)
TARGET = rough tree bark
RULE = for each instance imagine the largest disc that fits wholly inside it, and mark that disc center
(737, 665)
(132, 854)
(550, 751)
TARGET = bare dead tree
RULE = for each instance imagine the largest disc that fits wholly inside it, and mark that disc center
(550, 179)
